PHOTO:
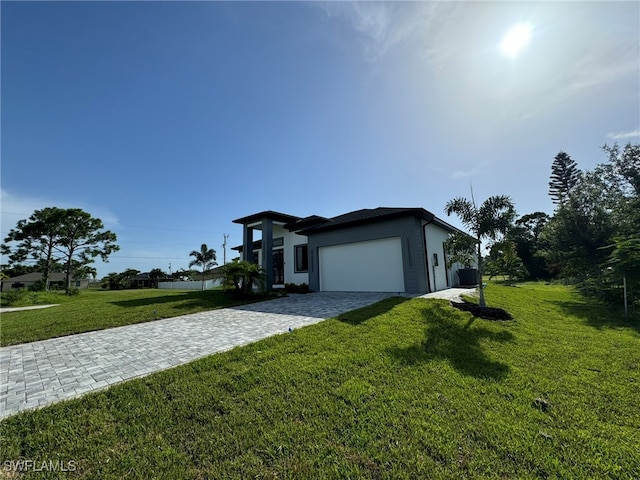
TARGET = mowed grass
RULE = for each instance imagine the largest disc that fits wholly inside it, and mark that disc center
(96, 310)
(403, 389)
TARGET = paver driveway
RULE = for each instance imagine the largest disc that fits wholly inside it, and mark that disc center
(39, 373)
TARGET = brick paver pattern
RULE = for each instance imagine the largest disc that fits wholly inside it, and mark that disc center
(40, 373)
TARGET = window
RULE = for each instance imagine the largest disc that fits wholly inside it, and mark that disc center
(302, 258)
(278, 267)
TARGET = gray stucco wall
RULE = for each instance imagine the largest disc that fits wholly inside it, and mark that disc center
(409, 229)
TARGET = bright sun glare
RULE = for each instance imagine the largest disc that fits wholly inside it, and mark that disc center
(515, 40)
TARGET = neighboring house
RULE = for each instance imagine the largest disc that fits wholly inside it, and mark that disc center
(56, 281)
(143, 280)
(213, 278)
(375, 250)
(214, 274)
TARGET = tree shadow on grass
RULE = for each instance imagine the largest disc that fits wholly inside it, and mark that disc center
(142, 302)
(449, 337)
(600, 315)
(361, 315)
(210, 298)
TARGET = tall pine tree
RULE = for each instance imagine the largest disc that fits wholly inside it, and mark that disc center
(564, 176)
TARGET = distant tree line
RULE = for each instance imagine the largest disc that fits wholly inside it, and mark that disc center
(205, 258)
(132, 278)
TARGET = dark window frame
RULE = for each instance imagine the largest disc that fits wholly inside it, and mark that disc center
(305, 258)
(278, 270)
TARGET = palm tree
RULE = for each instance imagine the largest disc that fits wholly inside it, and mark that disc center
(242, 275)
(494, 216)
(206, 258)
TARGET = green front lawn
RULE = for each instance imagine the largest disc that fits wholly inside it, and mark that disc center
(96, 310)
(401, 389)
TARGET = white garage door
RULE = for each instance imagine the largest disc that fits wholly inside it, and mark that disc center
(372, 266)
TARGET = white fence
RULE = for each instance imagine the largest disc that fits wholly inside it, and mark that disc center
(194, 285)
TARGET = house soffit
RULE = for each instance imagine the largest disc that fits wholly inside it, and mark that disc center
(258, 225)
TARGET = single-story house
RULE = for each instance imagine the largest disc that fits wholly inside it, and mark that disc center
(56, 281)
(143, 280)
(375, 250)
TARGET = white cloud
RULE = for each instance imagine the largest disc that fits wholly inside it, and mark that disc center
(624, 135)
(471, 172)
(381, 26)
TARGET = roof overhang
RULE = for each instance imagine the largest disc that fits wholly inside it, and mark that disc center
(314, 223)
(269, 215)
(256, 245)
(373, 218)
(446, 226)
(306, 222)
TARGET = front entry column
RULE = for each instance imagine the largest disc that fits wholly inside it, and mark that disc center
(247, 243)
(267, 251)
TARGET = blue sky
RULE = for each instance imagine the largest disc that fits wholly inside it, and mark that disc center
(168, 120)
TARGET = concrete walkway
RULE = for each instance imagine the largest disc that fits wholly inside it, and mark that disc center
(32, 307)
(40, 373)
(453, 294)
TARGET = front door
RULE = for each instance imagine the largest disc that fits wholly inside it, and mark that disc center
(278, 267)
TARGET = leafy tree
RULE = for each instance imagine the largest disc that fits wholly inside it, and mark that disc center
(572, 240)
(593, 236)
(242, 275)
(492, 218)
(624, 167)
(460, 248)
(533, 224)
(36, 238)
(504, 260)
(620, 270)
(181, 275)
(185, 275)
(111, 282)
(526, 236)
(119, 281)
(126, 277)
(621, 180)
(71, 237)
(205, 258)
(155, 275)
(623, 171)
(82, 241)
(84, 271)
(624, 261)
(564, 176)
